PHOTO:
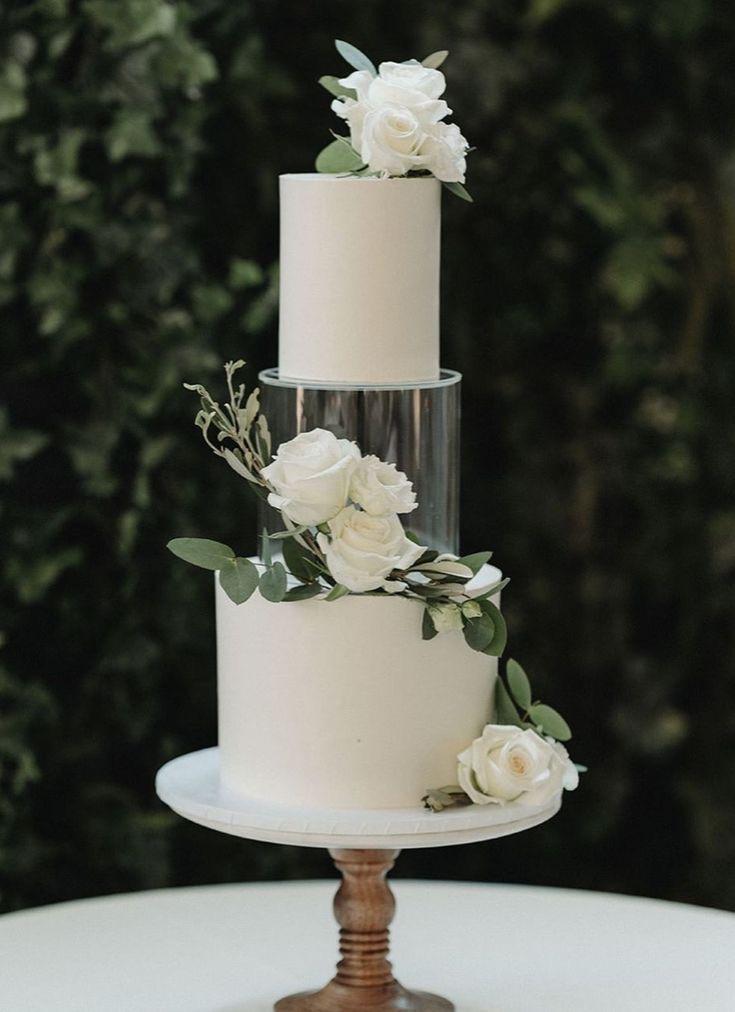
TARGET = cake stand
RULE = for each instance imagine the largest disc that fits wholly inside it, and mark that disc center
(364, 846)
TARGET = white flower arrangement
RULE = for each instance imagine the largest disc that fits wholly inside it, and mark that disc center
(521, 759)
(342, 529)
(395, 115)
(343, 535)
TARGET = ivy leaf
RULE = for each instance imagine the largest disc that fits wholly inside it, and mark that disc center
(505, 711)
(201, 552)
(337, 591)
(333, 86)
(304, 592)
(476, 562)
(350, 54)
(550, 721)
(497, 643)
(434, 60)
(428, 629)
(274, 583)
(518, 683)
(238, 579)
(338, 157)
(296, 558)
(459, 191)
(479, 632)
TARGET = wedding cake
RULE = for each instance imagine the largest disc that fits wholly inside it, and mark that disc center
(364, 674)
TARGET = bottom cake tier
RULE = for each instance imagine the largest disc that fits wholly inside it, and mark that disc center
(342, 704)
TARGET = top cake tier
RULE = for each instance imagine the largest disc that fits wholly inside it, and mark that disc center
(359, 300)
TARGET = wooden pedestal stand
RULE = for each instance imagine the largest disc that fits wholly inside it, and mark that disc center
(364, 907)
(364, 846)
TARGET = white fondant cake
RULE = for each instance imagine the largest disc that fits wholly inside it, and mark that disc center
(343, 704)
(359, 299)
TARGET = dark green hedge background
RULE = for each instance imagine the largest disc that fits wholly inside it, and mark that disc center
(587, 297)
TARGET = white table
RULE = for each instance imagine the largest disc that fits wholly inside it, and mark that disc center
(237, 948)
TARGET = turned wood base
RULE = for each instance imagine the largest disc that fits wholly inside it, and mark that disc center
(364, 907)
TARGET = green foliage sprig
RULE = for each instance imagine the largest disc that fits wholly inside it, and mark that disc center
(237, 431)
(515, 706)
(339, 156)
(243, 440)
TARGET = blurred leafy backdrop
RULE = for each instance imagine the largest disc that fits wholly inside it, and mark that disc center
(587, 297)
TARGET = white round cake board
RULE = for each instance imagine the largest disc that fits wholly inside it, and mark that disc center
(190, 785)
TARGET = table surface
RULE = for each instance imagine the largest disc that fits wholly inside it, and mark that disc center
(237, 948)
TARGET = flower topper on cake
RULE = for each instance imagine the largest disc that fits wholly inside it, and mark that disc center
(341, 513)
(395, 115)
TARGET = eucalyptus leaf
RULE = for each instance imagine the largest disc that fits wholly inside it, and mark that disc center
(333, 86)
(337, 591)
(424, 590)
(446, 570)
(475, 562)
(444, 797)
(239, 579)
(237, 465)
(303, 592)
(434, 60)
(282, 535)
(428, 629)
(550, 721)
(338, 157)
(497, 644)
(350, 54)
(251, 409)
(496, 587)
(201, 552)
(505, 711)
(518, 683)
(479, 632)
(274, 583)
(459, 191)
(296, 558)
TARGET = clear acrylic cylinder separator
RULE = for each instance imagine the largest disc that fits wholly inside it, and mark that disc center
(415, 426)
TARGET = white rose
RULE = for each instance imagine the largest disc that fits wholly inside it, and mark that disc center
(359, 81)
(506, 762)
(395, 121)
(444, 151)
(381, 488)
(311, 476)
(353, 110)
(408, 77)
(392, 136)
(364, 550)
